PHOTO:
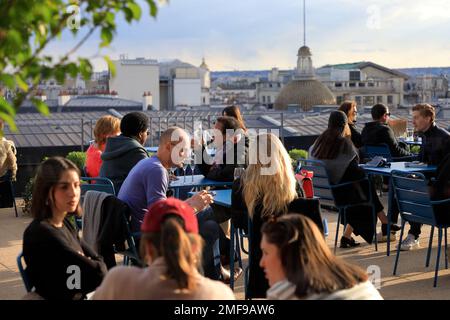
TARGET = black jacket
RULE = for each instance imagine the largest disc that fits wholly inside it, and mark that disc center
(257, 283)
(376, 132)
(435, 145)
(50, 251)
(120, 156)
(225, 171)
(356, 136)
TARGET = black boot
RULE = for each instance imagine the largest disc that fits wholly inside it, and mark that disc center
(348, 243)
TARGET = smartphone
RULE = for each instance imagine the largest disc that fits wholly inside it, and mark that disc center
(213, 193)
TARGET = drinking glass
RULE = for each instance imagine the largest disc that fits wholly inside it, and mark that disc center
(238, 172)
(185, 165)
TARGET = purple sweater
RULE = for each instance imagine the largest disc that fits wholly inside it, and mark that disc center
(146, 183)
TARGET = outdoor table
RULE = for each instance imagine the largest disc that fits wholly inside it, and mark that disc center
(411, 142)
(221, 197)
(151, 149)
(386, 171)
(196, 181)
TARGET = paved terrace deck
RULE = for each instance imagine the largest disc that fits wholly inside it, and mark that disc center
(414, 282)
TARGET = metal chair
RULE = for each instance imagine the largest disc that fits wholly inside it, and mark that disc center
(7, 194)
(26, 281)
(415, 205)
(324, 190)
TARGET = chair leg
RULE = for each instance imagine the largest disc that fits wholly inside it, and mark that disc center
(445, 248)
(398, 247)
(430, 244)
(375, 228)
(232, 241)
(438, 256)
(337, 230)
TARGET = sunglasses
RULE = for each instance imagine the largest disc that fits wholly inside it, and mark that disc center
(388, 114)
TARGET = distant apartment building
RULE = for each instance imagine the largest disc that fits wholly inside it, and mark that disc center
(134, 77)
(365, 82)
(267, 90)
(426, 88)
(239, 92)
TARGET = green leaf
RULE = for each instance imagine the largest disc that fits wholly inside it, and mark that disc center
(9, 120)
(8, 80)
(7, 107)
(20, 83)
(153, 8)
(106, 36)
(41, 106)
(135, 9)
(85, 68)
(111, 66)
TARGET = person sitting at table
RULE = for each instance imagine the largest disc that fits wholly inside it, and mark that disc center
(267, 189)
(235, 112)
(435, 147)
(54, 255)
(148, 182)
(349, 108)
(123, 152)
(172, 248)
(378, 132)
(105, 127)
(341, 161)
(299, 265)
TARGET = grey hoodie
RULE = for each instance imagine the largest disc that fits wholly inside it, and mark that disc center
(120, 156)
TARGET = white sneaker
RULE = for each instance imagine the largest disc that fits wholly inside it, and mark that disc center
(383, 238)
(409, 243)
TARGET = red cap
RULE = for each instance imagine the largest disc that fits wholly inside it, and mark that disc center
(158, 210)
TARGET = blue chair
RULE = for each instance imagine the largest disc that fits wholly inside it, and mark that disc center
(237, 237)
(370, 151)
(28, 285)
(7, 193)
(96, 184)
(323, 189)
(415, 205)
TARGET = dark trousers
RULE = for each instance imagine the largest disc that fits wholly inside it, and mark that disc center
(415, 229)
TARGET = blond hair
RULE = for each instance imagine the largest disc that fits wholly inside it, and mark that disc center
(425, 110)
(104, 127)
(275, 191)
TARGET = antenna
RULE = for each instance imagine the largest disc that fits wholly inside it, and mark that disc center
(304, 23)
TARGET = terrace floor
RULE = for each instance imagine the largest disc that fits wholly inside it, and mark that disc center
(413, 282)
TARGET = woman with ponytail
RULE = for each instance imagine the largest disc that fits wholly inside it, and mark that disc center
(171, 246)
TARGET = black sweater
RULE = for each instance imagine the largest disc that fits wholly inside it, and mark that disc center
(377, 133)
(435, 145)
(48, 253)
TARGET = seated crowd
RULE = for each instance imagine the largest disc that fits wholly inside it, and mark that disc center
(184, 244)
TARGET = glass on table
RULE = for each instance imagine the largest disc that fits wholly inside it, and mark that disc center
(238, 172)
(409, 134)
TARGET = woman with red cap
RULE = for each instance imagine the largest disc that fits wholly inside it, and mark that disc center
(171, 246)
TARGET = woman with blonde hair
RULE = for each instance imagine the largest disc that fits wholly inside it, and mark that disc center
(268, 189)
(105, 127)
(171, 246)
(299, 265)
(350, 110)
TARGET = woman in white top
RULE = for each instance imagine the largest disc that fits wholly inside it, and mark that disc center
(171, 246)
(299, 265)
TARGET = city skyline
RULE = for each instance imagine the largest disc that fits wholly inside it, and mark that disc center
(259, 35)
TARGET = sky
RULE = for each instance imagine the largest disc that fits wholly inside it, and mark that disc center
(262, 34)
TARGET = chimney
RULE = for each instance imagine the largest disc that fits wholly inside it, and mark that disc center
(63, 98)
(40, 95)
(147, 100)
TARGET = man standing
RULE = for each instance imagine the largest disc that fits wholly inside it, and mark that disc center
(435, 147)
(378, 131)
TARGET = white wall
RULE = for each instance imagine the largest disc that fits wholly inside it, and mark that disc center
(132, 80)
(187, 92)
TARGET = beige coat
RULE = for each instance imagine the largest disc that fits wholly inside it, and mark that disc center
(132, 283)
(8, 159)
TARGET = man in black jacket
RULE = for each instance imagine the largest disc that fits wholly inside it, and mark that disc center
(435, 147)
(378, 131)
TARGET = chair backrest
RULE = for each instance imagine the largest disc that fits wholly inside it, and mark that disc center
(413, 198)
(370, 151)
(97, 184)
(321, 183)
(28, 285)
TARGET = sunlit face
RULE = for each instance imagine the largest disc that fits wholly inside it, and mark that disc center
(143, 136)
(354, 112)
(420, 122)
(271, 262)
(179, 151)
(66, 193)
(219, 138)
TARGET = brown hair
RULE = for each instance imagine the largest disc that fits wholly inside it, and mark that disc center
(425, 110)
(347, 107)
(228, 123)
(306, 259)
(105, 126)
(235, 112)
(48, 175)
(176, 246)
